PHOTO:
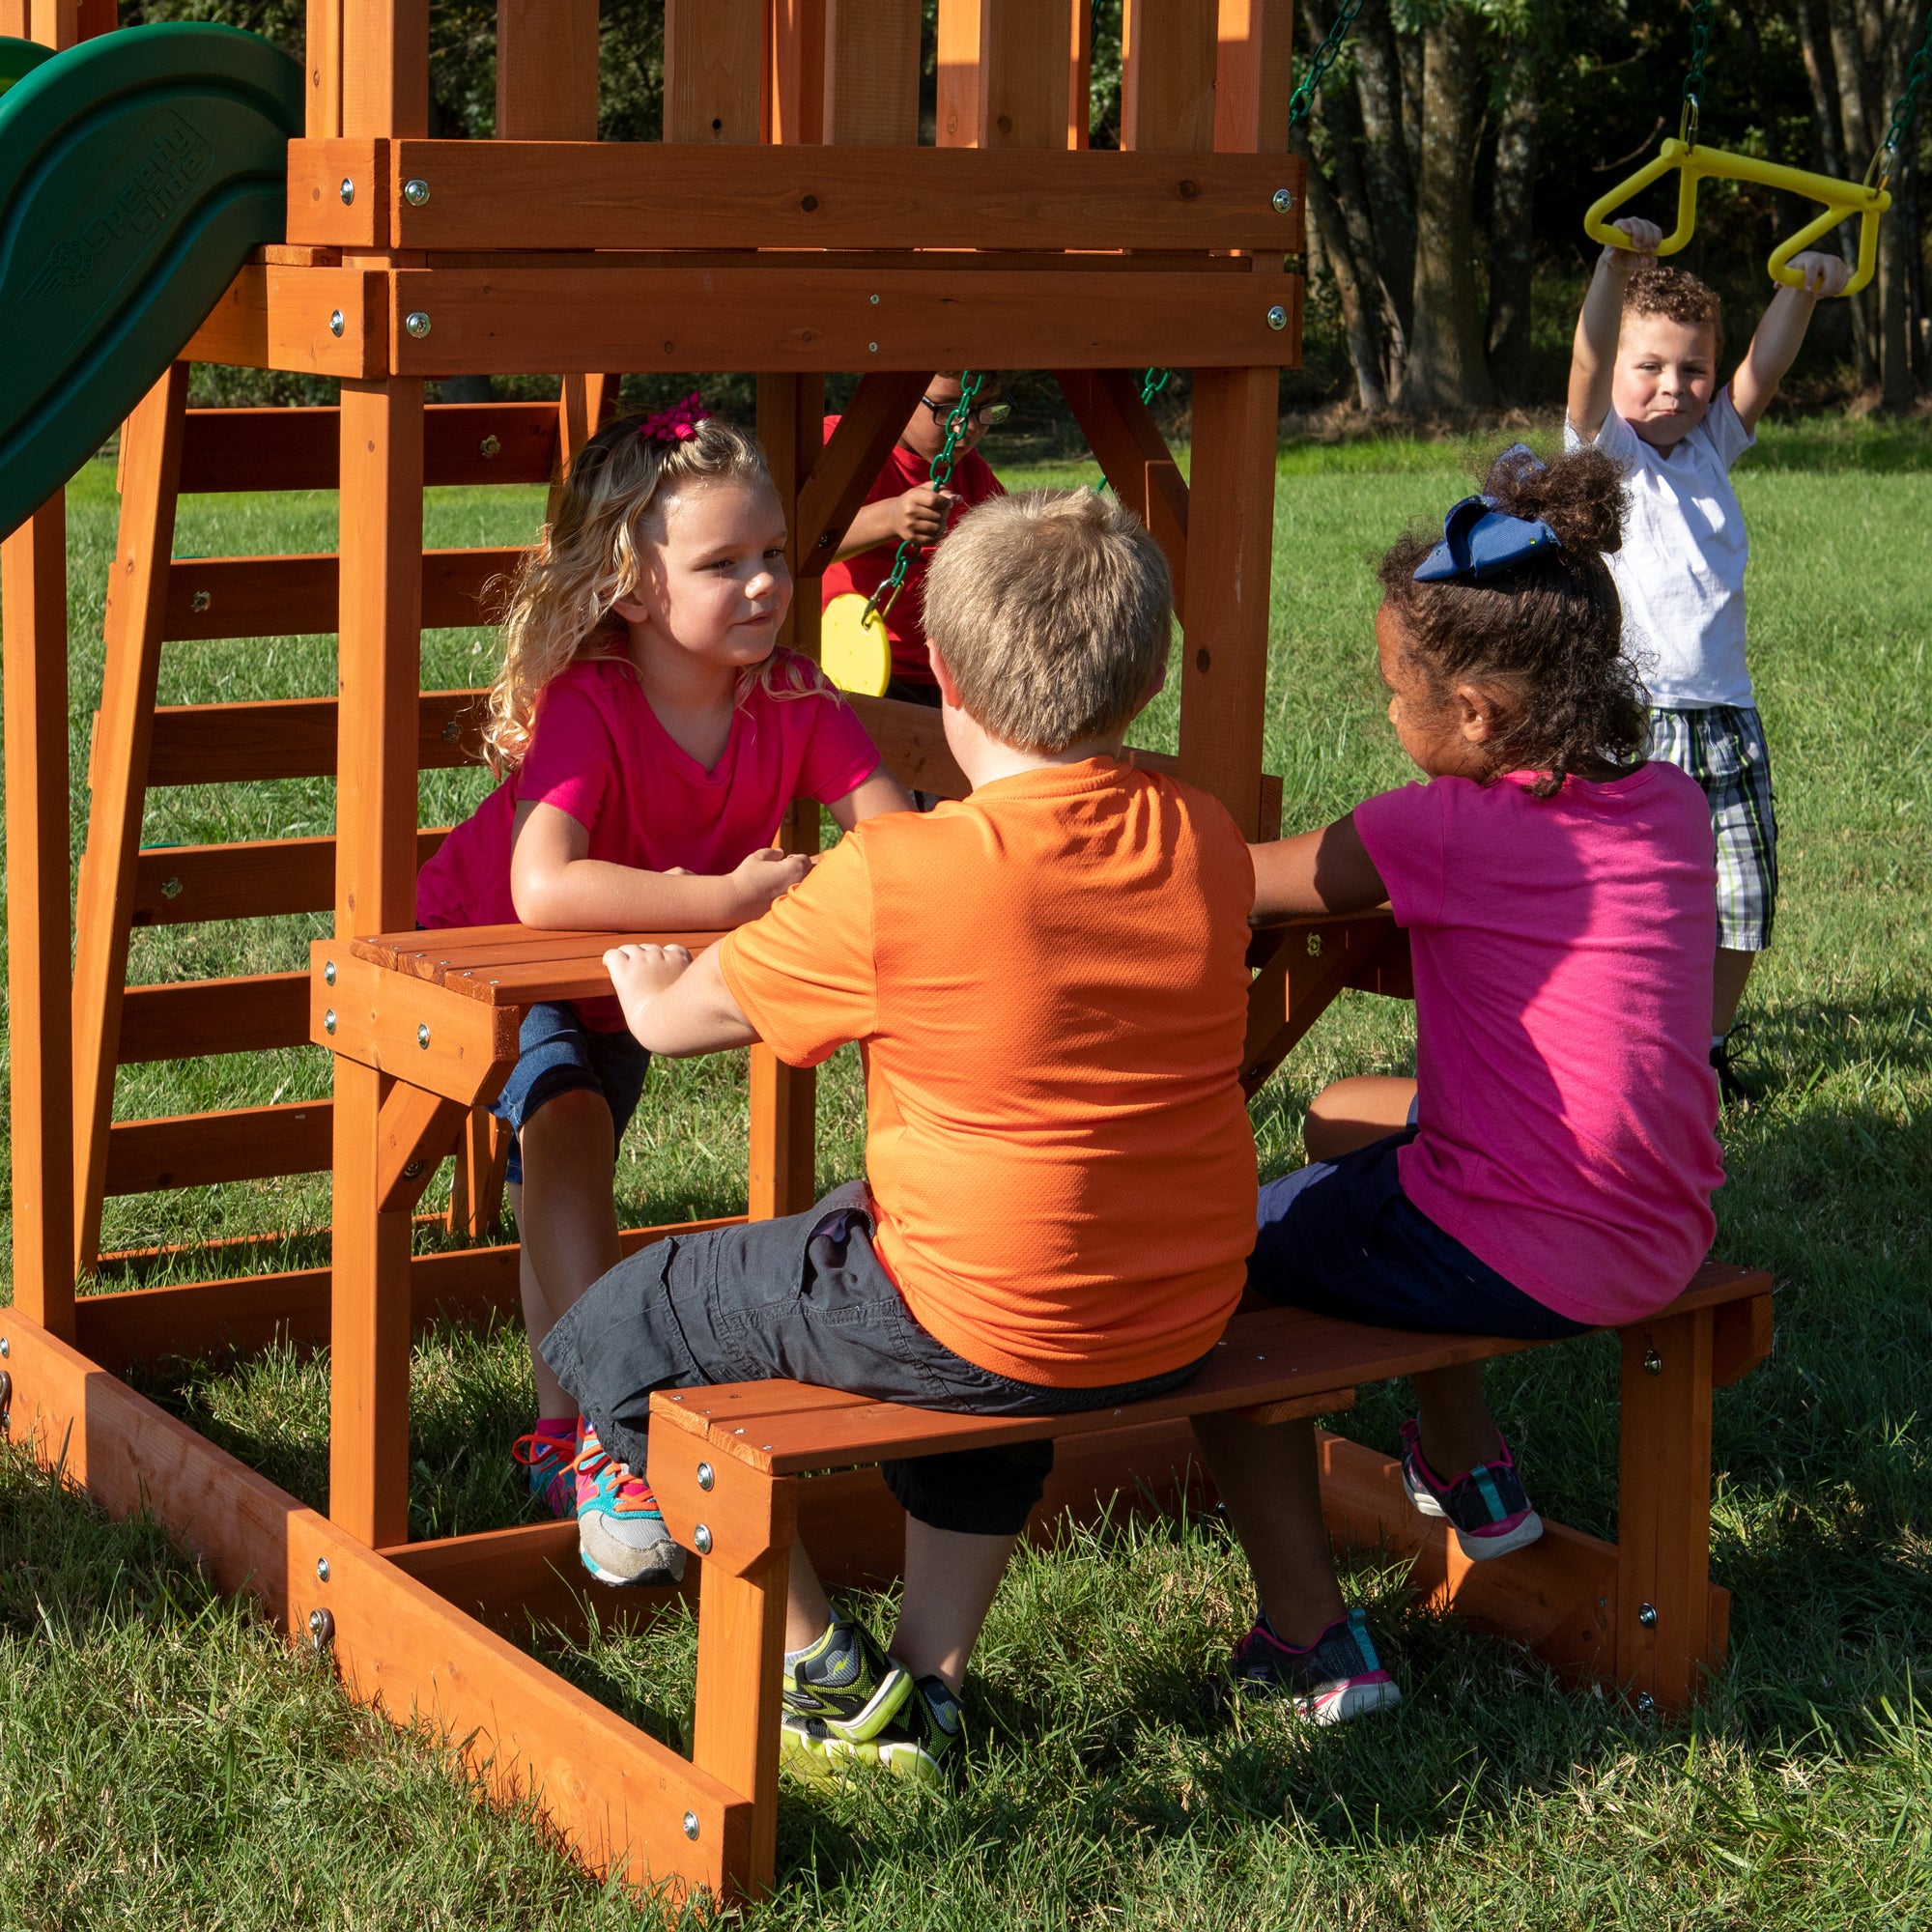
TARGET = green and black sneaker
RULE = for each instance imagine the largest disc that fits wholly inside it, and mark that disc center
(927, 1742)
(840, 1696)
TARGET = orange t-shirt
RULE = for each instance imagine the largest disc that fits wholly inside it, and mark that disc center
(1049, 980)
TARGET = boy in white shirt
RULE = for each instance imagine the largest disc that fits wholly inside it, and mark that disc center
(1643, 374)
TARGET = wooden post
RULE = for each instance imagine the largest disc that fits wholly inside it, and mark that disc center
(1252, 76)
(322, 116)
(1001, 68)
(33, 623)
(137, 596)
(872, 72)
(735, 1723)
(1166, 75)
(1080, 77)
(546, 69)
(1664, 1510)
(795, 97)
(714, 71)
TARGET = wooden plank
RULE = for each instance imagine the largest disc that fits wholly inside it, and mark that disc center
(477, 1185)
(202, 1150)
(1229, 557)
(871, 73)
(322, 113)
(741, 1625)
(248, 1312)
(258, 449)
(1166, 75)
(1080, 77)
(188, 885)
(519, 1730)
(546, 71)
(415, 1133)
(295, 738)
(1298, 982)
(1662, 1632)
(584, 320)
(1133, 455)
(279, 596)
(190, 1017)
(384, 67)
(581, 194)
(833, 483)
(424, 1035)
(714, 71)
(1003, 74)
(105, 902)
(1254, 78)
(1742, 1333)
(796, 106)
(40, 1001)
(298, 330)
(235, 332)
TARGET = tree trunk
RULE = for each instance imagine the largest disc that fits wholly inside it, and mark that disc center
(1511, 212)
(1387, 164)
(1446, 367)
(1331, 237)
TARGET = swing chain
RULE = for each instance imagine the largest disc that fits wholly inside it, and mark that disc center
(939, 473)
(1693, 80)
(1153, 382)
(1301, 103)
(1904, 114)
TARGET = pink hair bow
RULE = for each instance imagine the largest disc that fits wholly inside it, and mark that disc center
(676, 424)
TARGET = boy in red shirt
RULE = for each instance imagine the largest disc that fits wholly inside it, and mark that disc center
(1050, 979)
(905, 507)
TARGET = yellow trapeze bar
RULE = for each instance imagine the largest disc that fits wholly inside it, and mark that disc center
(1841, 199)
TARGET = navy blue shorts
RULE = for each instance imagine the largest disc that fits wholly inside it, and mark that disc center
(1342, 1238)
(559, 1053)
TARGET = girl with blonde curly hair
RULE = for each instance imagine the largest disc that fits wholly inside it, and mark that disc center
(649, 735)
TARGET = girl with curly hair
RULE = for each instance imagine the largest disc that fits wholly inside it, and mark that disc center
(1549, 1169)
(650, 737)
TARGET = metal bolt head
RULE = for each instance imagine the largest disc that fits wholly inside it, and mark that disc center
(321, 1630)
(706, 1475)
(875, 301)
(1652, 1362)
(336, 324)
(415, 191)
(328, 1020)
(873, 347)
(700, 1539)
(1284, 200)
(200, 601)
(6, 1348)
(1646, 1615)
(489, 446)
(1277, 317)
(1645, 1702)
(691, 1823)
(412, 1170)
(171, 888)
(321, 1567)
(422, 1035)
(417, 321)
(329, 972)
(346, 191)
(1315, 945)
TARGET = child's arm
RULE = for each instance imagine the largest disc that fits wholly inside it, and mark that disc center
(1780, 332)
(674, 1005)
(554, 883)
(1593, 355)
(1328, 870)
(880, 793)
(919, 516)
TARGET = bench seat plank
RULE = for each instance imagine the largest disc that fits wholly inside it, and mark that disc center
(1276, 1354)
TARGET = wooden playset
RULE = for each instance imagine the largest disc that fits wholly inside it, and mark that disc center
(789, 223)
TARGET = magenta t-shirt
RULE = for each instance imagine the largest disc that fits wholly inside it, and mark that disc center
(598, 752)
(1566, 1107)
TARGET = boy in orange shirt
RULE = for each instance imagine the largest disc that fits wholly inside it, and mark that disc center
(1049, 980)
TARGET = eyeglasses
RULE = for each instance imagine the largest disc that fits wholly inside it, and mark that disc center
(990, 416)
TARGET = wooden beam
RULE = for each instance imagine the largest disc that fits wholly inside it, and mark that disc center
(546, 69)
(1080, 77)
(1253, 76)
(1166, 75)
(414, 1132)
(384, 67)
(205, 1149)
(813, 319)
(181, 1021)
(569, 196)
(189, 885)
(795, 108)
(714, 71)
(1003, 74)
(281, 596)
(322, 115)
(871, 73)
(295, 738)
(40, 1022)
(105, 903)
(1311, 963)
(836, 482)
(1134, 458)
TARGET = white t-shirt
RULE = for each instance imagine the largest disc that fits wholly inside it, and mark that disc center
(1681, 571)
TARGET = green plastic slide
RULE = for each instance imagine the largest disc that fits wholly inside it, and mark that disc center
(136, 171)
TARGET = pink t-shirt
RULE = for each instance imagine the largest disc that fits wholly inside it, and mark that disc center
(1562, 946)
(598, 752)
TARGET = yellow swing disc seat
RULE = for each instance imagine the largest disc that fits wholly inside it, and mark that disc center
(1694, 162)
(854, 650)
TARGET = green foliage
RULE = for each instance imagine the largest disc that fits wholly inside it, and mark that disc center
(164, 1762)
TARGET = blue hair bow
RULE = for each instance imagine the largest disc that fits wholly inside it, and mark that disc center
(1480, 540)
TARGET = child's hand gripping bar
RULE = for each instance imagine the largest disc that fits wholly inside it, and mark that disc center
(1841, 199)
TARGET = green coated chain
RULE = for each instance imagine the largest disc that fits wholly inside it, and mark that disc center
(1903, 115)
(939, 474)
(1694, 79)
(1153, 382)
(1301, 103)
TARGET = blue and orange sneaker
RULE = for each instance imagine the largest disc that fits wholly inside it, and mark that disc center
(1487, 1508)
(1335, 1678)
(620, 1530)
(548, 1452)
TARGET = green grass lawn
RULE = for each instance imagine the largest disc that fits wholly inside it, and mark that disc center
(165, 1761)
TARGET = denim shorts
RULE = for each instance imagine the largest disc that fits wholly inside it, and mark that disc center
(1341, 1237)
(556, 1053)
(807, 1299)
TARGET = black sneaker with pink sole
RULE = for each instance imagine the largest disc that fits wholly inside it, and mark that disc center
(1487, 1508)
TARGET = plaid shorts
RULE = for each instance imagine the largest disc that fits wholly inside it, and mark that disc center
(1723, 747)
